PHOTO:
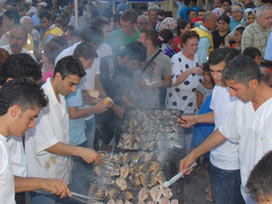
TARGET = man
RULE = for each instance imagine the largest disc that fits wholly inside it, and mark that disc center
(183, 11)
(14, 67)
(50, 29)
(86, 54)
(93, 37)
(142, 23)
(152, 18)
(259, 182)
(118, 39)
(205, 44)
(21, 101)
(224, 165)
(145, 92)
(17, 40)
(47, 145)
(248, 123)
(257, 33)
(117, 79)
(10, 18)
(33, 43)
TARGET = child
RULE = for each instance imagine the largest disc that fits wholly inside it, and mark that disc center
(238, 37)
(254, 53)
(205, 88)
(259, 183)
(166, 37)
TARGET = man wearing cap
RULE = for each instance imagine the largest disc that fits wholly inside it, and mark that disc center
(237, 15)
(40, 8)
(257, 33)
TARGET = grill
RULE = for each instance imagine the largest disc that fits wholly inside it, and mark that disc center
(146, 155)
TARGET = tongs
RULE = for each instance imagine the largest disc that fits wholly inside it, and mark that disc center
(82, 198)
(178, 176)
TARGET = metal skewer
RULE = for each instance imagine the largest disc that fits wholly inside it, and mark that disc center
(77, 195)
(178, 176)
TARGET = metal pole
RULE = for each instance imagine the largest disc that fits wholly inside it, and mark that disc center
(76, 14)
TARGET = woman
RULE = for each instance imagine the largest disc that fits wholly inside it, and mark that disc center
(219, 35)
(182, 27)
(186, 76)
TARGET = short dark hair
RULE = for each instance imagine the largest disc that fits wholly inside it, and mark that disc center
(152, 34)
(224, 18)
(181, 24)
(86, 51)
(134, 50)
(12, 13)
(222, 54)
(252, 52)
(129, 15)
(229, 1)
(242, 69)
(60, 40)
(93, 35)
(69, 66)
(189, 11)
(187, 2)
(188, 35)
(51, 50)
(259, 183)
(165, 35)
(45, 14)
(24, 92)
(19, 66)
(99, 22)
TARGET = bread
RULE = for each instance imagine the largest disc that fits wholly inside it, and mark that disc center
(107, 100)
(93, 93)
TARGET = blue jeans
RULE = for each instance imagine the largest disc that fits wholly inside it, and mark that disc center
(90, 132)
(225, 186)
(39, 198)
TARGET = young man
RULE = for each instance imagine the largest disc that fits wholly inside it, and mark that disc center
(47, 145)
(86, 54)
(259, 183)
(21, 101)
(145, 92)
(248, 123)
(224, 165)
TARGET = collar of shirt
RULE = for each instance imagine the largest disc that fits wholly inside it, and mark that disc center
(3, 138)
(203, 28)
(51, 93)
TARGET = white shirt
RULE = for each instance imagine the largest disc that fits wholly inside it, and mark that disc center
(89, 79)
(7, 190)
(17, 156)
(8, 49)
(252, 129)
(52, 126)
(224, 156)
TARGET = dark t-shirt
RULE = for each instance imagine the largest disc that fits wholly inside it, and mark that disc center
(217, 39)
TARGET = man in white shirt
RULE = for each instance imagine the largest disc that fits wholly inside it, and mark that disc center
(21, 101)
(48, 151)
(224, 165)
(17, 40)
(248, 123)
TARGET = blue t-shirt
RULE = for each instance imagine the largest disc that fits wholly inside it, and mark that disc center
(233, 23)
(183, 12)
(76, 126)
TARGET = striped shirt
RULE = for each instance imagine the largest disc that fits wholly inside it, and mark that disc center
(255, 36)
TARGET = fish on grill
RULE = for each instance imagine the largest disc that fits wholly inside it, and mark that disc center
(113, 193)
(164, 201)
(121, 183)
(111, 201)
(175, 201)
(155, 193)
(124, 171)
(143, 194)
(166, 192)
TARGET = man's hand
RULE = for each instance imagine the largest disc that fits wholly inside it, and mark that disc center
(89, 156)
(56, 186)
(187, 121)
(87, 99)
(101, 107)
(186, 162)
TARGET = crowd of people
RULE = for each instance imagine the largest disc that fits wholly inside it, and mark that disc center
(65, 88)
